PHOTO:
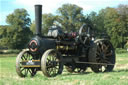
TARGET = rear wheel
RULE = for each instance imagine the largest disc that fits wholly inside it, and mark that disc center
(102, 52)
(51, 63)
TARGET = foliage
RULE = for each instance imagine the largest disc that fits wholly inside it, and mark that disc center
(115, 26)
(19, 18)
(70, 17)
(123, 13)
(17, 34)
(114, 22)
(126, 45)
(112, 25)
(47, 21)
(3, 36)
(33, 27)
(92, 20)
(120, 50)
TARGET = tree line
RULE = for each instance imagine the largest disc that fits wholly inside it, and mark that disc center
(70, 17)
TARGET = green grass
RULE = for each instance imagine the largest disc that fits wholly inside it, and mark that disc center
(119, 76)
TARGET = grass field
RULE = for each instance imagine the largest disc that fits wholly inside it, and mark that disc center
(119, 76)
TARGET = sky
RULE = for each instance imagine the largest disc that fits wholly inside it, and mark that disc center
(50, 6)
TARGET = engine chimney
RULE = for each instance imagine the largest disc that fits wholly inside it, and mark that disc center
(38, 19)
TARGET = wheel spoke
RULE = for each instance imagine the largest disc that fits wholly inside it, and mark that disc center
(97, 58)
(99, 49)
(104, 54)
(30, 71)
(29, 57)
(107, 48)
(97, 53)
(21, 71)
(50, 71)
(106, 61)
(22, 58)
(103, 46)
(104, 50)
(109, 54)
(26, 72)
(51, 66)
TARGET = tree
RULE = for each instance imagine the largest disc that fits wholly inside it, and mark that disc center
(93, 17)
(3, 31)
(3, 34)
(113, 26)
(114, 21)
(70, 17)
(33, 27)
(100, 20)
(18, 32)
(92, 20)
(123, 15)
(47, 22)
(19, 18)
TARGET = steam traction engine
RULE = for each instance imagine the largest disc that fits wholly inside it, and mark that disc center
(75, 51)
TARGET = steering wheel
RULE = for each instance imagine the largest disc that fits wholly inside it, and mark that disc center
(84, 33)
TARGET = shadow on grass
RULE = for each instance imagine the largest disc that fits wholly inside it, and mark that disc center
(65, 74)
(114, 71)
(121, 70)
(83, 73)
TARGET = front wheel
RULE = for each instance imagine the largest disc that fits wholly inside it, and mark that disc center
(24, 71)
(51, 63)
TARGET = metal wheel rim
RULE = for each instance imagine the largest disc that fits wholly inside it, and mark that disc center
(22, 71)
(104, 54)
(51, 64)
(105, 49)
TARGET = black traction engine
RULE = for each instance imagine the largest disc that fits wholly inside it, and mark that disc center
(76, 51)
